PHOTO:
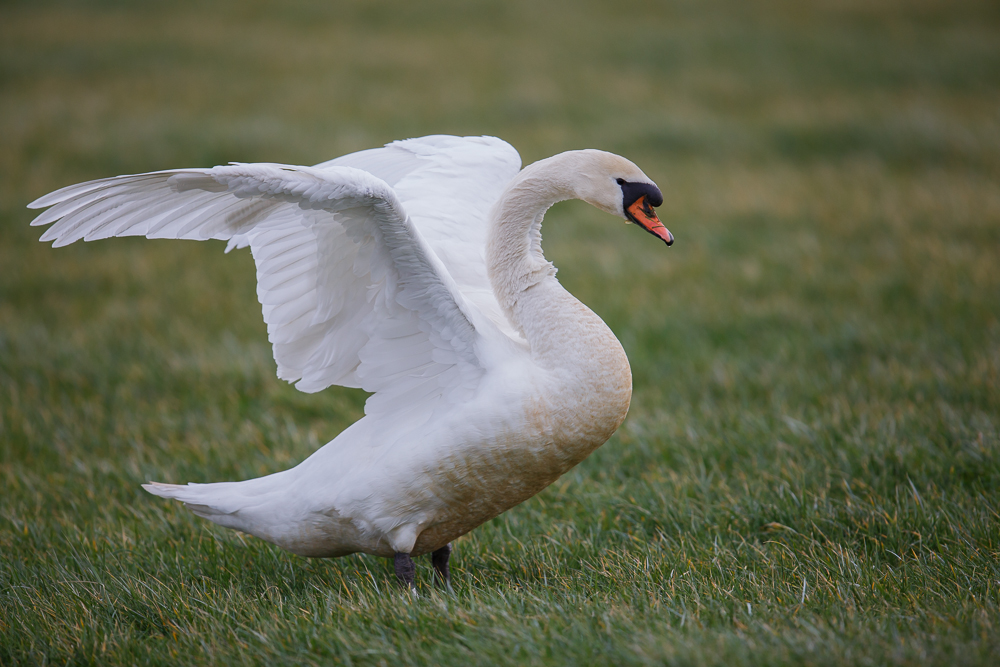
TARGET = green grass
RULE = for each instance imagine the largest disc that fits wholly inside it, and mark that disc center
(810, 471)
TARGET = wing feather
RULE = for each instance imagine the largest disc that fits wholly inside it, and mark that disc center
(370, 267)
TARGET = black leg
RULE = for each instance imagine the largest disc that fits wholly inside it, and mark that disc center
(405, 571)
(440, 561)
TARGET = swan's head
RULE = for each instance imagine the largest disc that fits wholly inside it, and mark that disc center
(616, 186)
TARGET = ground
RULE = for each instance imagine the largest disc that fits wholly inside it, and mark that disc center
(810, 470)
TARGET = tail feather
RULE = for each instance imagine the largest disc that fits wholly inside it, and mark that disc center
(205, 500)
(265, 507)
(254, 506)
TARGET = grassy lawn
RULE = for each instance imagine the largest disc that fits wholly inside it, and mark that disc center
(810, 472)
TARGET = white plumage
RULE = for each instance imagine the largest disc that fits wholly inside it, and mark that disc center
(414, 272)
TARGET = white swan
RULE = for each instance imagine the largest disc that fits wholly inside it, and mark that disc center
(413, 271)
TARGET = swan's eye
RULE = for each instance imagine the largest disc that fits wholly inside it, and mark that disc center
(620, 181)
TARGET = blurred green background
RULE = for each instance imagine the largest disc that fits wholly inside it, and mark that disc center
(809, 473)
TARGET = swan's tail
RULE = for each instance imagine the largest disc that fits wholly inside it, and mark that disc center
(202, 499)
(238, 505)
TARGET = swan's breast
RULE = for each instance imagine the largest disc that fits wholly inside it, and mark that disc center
(564, 414)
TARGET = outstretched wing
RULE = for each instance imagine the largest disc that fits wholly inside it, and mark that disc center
(352, 293)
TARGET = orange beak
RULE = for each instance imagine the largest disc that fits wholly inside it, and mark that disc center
(642, 214)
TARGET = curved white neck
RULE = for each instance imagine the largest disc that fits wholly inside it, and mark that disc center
(590, 371)
(514, 259)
